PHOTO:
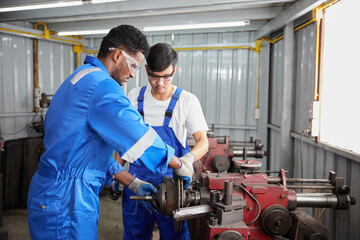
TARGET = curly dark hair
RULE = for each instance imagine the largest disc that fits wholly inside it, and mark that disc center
(126, 37)
(160, 57)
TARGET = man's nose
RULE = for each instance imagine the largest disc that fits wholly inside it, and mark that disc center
(132, 74)
(161, 81)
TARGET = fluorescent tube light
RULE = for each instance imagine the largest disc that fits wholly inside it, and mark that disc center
(105, 1)
(41, 6)
(88, 32)
(197, 26)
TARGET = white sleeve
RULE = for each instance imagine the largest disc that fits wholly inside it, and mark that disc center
(195, 120)
(133, 95)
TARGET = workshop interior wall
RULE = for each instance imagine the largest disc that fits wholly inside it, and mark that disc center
(225, 83)
(56, 62)
(318, 159)
(223, 80)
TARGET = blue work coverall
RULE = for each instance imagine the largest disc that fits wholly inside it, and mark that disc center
(89, 117)
(139, 222)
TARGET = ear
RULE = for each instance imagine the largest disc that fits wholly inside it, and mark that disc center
(176, 68)
(116, 57)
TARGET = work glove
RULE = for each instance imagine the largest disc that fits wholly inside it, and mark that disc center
(140, 187)
(186, 171)
(114, 191)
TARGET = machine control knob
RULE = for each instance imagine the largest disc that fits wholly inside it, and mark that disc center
(344, 189)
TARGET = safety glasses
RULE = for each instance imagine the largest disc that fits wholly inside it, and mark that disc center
(155, 78)
(132, 64)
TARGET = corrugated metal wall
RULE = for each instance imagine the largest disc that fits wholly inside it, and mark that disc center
(223, 80)
(225, 83)
(318, 159)
(56, 62)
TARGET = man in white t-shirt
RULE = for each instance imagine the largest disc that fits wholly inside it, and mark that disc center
(172, 112)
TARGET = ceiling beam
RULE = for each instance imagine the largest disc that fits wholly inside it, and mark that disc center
(174, 19)
(295, 11)
(154, 7)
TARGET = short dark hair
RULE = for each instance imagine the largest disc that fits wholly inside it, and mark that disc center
(160, 57)
(126, 37)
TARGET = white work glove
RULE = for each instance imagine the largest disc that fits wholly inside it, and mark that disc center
(140, 187)
(186, 171)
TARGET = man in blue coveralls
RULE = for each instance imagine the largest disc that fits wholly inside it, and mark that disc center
(172, 112)
(88, 118)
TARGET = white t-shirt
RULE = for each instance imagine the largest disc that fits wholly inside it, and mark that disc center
(187, 115)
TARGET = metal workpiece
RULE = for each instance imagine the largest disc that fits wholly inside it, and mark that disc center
(228, 189)
(214, 196)
(141, 198)
(192, 212)
(245, 153)
(247, 164)
(304, 180)
(213, 221)
(324, 200)
(320, 200)
(310, 186)
(277, 179)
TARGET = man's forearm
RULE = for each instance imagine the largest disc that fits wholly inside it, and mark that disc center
(174, 162)
(124, 178)
(201, 145)
(119, 159)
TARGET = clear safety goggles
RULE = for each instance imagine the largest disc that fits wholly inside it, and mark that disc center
(132, 64)
(155, 78)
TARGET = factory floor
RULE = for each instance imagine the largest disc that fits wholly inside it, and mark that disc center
(110, 223)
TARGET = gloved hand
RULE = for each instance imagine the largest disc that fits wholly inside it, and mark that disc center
(114, 191)
(140, 187)
(186, 171)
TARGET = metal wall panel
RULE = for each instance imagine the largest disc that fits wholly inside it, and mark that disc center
(305, 40)
(56, 62)
(317, 161)
(223, 80)
(276, 82)
(16, 69)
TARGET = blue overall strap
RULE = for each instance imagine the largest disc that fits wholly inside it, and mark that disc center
(169, 111)
(140, 100)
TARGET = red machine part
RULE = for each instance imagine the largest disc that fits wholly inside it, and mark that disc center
(220, 156)
(216, 150)
(267, 195)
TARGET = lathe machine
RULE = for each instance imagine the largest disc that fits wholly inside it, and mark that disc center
(248, 203)
(251, 205)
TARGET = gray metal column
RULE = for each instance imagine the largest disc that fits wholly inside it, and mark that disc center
(287, 99)
(264, 97)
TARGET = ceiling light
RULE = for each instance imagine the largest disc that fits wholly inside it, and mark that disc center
(88, 32)
(105, 1)
(41, 6)
(197, 26)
